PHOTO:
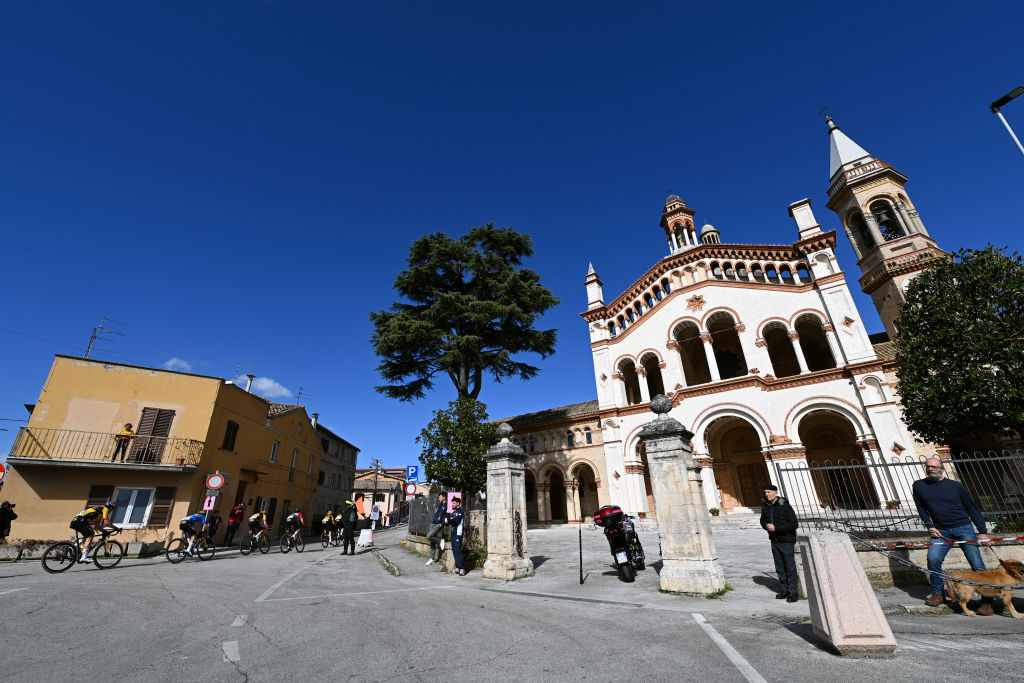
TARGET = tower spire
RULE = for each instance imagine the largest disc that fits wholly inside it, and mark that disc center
(844, 153)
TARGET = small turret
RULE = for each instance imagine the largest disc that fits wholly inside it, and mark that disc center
(595, 293)
(677, 220)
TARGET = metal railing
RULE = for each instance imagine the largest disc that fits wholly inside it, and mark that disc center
(46, 443)
(877, 497)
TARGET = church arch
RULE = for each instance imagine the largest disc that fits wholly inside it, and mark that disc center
(630, 380)
(556, 491)
(780, 349)
(889, 222)
(738, 459)
(691, 352)
(803, 272)
(830, 441)
(858, 228)
(715, 412)
(651, 364)
(814, 344)
(725, 341)
(873, 392)
(847, 410)
(584, 472)
(531, 496)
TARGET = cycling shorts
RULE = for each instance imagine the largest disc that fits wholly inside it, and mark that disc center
(187, 528)
(83, 527)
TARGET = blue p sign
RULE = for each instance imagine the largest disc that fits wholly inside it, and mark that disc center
(412, 473)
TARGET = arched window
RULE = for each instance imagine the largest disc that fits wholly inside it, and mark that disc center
(861, 235)
(716, 270)
(665, 285)
(780, 350)
(770, 272)
(638, 308)
(873, 390)
(691, 351)
(803, 273)
(622, 323)
(532, 443)
(824, 263)
(657, 293)
(629, 315)
(586, 435)
(741, 270)
(726, 343)
(786, 275)
(631, 381)
(814, 344)
(889, 223)
(729, 273)
(655, 383)
(649, 300)
(758, 271)
(611, 329)
(569, 440)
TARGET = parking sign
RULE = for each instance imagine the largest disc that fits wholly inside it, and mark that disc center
(412, 473)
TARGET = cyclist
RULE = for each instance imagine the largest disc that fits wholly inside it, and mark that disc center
(87, 519)
(258, 522)
(329, 524)
(191, 527)
(294, 521)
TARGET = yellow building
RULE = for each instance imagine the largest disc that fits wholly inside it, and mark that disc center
(186, 427)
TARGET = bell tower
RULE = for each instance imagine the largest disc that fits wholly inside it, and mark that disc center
(677, 220)
(882, 224)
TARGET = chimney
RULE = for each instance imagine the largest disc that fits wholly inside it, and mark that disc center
(316, 416)
(248, 385)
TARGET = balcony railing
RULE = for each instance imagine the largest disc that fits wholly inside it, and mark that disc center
(45, 443)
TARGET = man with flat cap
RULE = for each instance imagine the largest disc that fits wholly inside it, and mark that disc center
(779, 520)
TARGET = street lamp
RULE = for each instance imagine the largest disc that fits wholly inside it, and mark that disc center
(1003, 101)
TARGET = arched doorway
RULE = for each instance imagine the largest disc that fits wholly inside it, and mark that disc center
(557, 493)
(740, 469)
(587, 492)
(531, 498)
(831, 444)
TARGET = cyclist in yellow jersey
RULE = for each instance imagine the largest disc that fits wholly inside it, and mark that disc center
(87, 519)
(257, 522)
(329, 524)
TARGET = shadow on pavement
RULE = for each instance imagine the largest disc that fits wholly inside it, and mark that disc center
(768, 582)
(538, 560)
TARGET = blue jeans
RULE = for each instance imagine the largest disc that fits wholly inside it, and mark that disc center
(937, 553)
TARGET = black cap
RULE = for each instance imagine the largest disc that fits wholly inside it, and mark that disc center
(771, 487)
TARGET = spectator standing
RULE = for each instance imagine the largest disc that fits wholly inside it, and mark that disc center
(7, 514)
(947, 510)
(213, 522)
(122, 439)
(234, 521)
(456, 520)
(434, 533)
(779, 520)
(349, 517)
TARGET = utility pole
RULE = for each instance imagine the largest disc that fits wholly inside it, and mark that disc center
(375, 464)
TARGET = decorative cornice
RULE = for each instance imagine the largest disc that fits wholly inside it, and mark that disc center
(634, 469)
(786, 453)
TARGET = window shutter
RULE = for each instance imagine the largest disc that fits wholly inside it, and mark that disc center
(162, 424)
(98, 496)
(163, 501)
(154, 422)
(145, 428)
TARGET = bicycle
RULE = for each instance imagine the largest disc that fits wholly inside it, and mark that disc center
(293, 540)
(250, 543)
(325, 538)
(177, 550)
(61, 556)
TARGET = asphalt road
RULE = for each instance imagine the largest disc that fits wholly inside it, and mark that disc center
(320, 616)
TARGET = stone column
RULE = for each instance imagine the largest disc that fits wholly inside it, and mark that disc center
(507, 557)
(684, 524)
(872, 224)
(833, 344)
(645, 391)
(798, 350)
(543, 503)
(680, 375)
(709, 352)
(572, 501)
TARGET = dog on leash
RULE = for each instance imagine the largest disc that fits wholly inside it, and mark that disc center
(1010, 573)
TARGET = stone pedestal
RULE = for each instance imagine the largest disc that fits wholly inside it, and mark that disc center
(507, 558)
(690, 561)
(844, 610)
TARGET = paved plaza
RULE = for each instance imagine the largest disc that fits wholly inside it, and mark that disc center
(320, 616)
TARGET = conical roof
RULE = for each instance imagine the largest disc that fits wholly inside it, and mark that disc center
(844, 153)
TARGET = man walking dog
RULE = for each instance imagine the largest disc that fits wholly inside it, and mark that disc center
(947, 510)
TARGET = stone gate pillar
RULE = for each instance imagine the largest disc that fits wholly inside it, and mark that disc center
(507, 558)
(684, 524)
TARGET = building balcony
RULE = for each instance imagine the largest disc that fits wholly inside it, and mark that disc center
(76, 448)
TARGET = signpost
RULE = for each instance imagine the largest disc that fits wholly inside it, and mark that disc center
(3, 473)
(211, 501)
(215, 481)
(410, 488)
(412, 473)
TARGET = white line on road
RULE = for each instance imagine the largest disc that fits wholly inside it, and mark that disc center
(749, 672)
(231, 651)
(239, 620)
(349, 595)
(280, 583)
(13, 590)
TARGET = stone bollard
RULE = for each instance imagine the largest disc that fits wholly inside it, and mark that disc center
(844, 610)
(507, 558)
(690, 561)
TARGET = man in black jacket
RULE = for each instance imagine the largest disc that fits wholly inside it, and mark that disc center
(437, 522)
(779, 520)
(349, 516)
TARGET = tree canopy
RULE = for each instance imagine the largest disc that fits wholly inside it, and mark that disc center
(468, 306)
(454, 444)
(960, 348)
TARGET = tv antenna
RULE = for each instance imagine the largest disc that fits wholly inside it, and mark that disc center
(302, 393)
(99, 334)
(238, 370)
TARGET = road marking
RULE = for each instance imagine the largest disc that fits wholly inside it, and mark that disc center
(349, 595)
(13, 590)
(749, 672)
(280, 583)
(231, 651)
(553, 596)
(239, 620)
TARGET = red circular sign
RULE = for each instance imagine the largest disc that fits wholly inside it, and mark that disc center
(410, 488)
(3, 472)
(214, 481)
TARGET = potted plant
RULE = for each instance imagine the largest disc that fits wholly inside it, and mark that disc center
(893, 504)
(642, 515)
(714, 511)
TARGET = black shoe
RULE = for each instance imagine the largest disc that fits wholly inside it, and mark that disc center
(792, 598)
(780, 596)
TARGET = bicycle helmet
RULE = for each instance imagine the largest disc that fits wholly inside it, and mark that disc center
(111, 504)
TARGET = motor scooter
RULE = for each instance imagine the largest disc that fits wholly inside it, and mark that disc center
(622, 540)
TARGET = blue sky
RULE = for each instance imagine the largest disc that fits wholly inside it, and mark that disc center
(239, 182)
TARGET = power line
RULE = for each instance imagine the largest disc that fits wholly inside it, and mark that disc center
(32, 336)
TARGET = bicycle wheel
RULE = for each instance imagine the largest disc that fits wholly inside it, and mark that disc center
(286, 543)
(177, 550)
(245, 547)
(204, 550)
(59, 557)
(107, 554)
(299, 543)
(264, 544)
(325, 539)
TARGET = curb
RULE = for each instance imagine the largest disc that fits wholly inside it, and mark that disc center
(917, 609)
(389, 566)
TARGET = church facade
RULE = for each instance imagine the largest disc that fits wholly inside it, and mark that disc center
(760, 347)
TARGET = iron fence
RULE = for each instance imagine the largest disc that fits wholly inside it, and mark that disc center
(46, 443)
(876, 497)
